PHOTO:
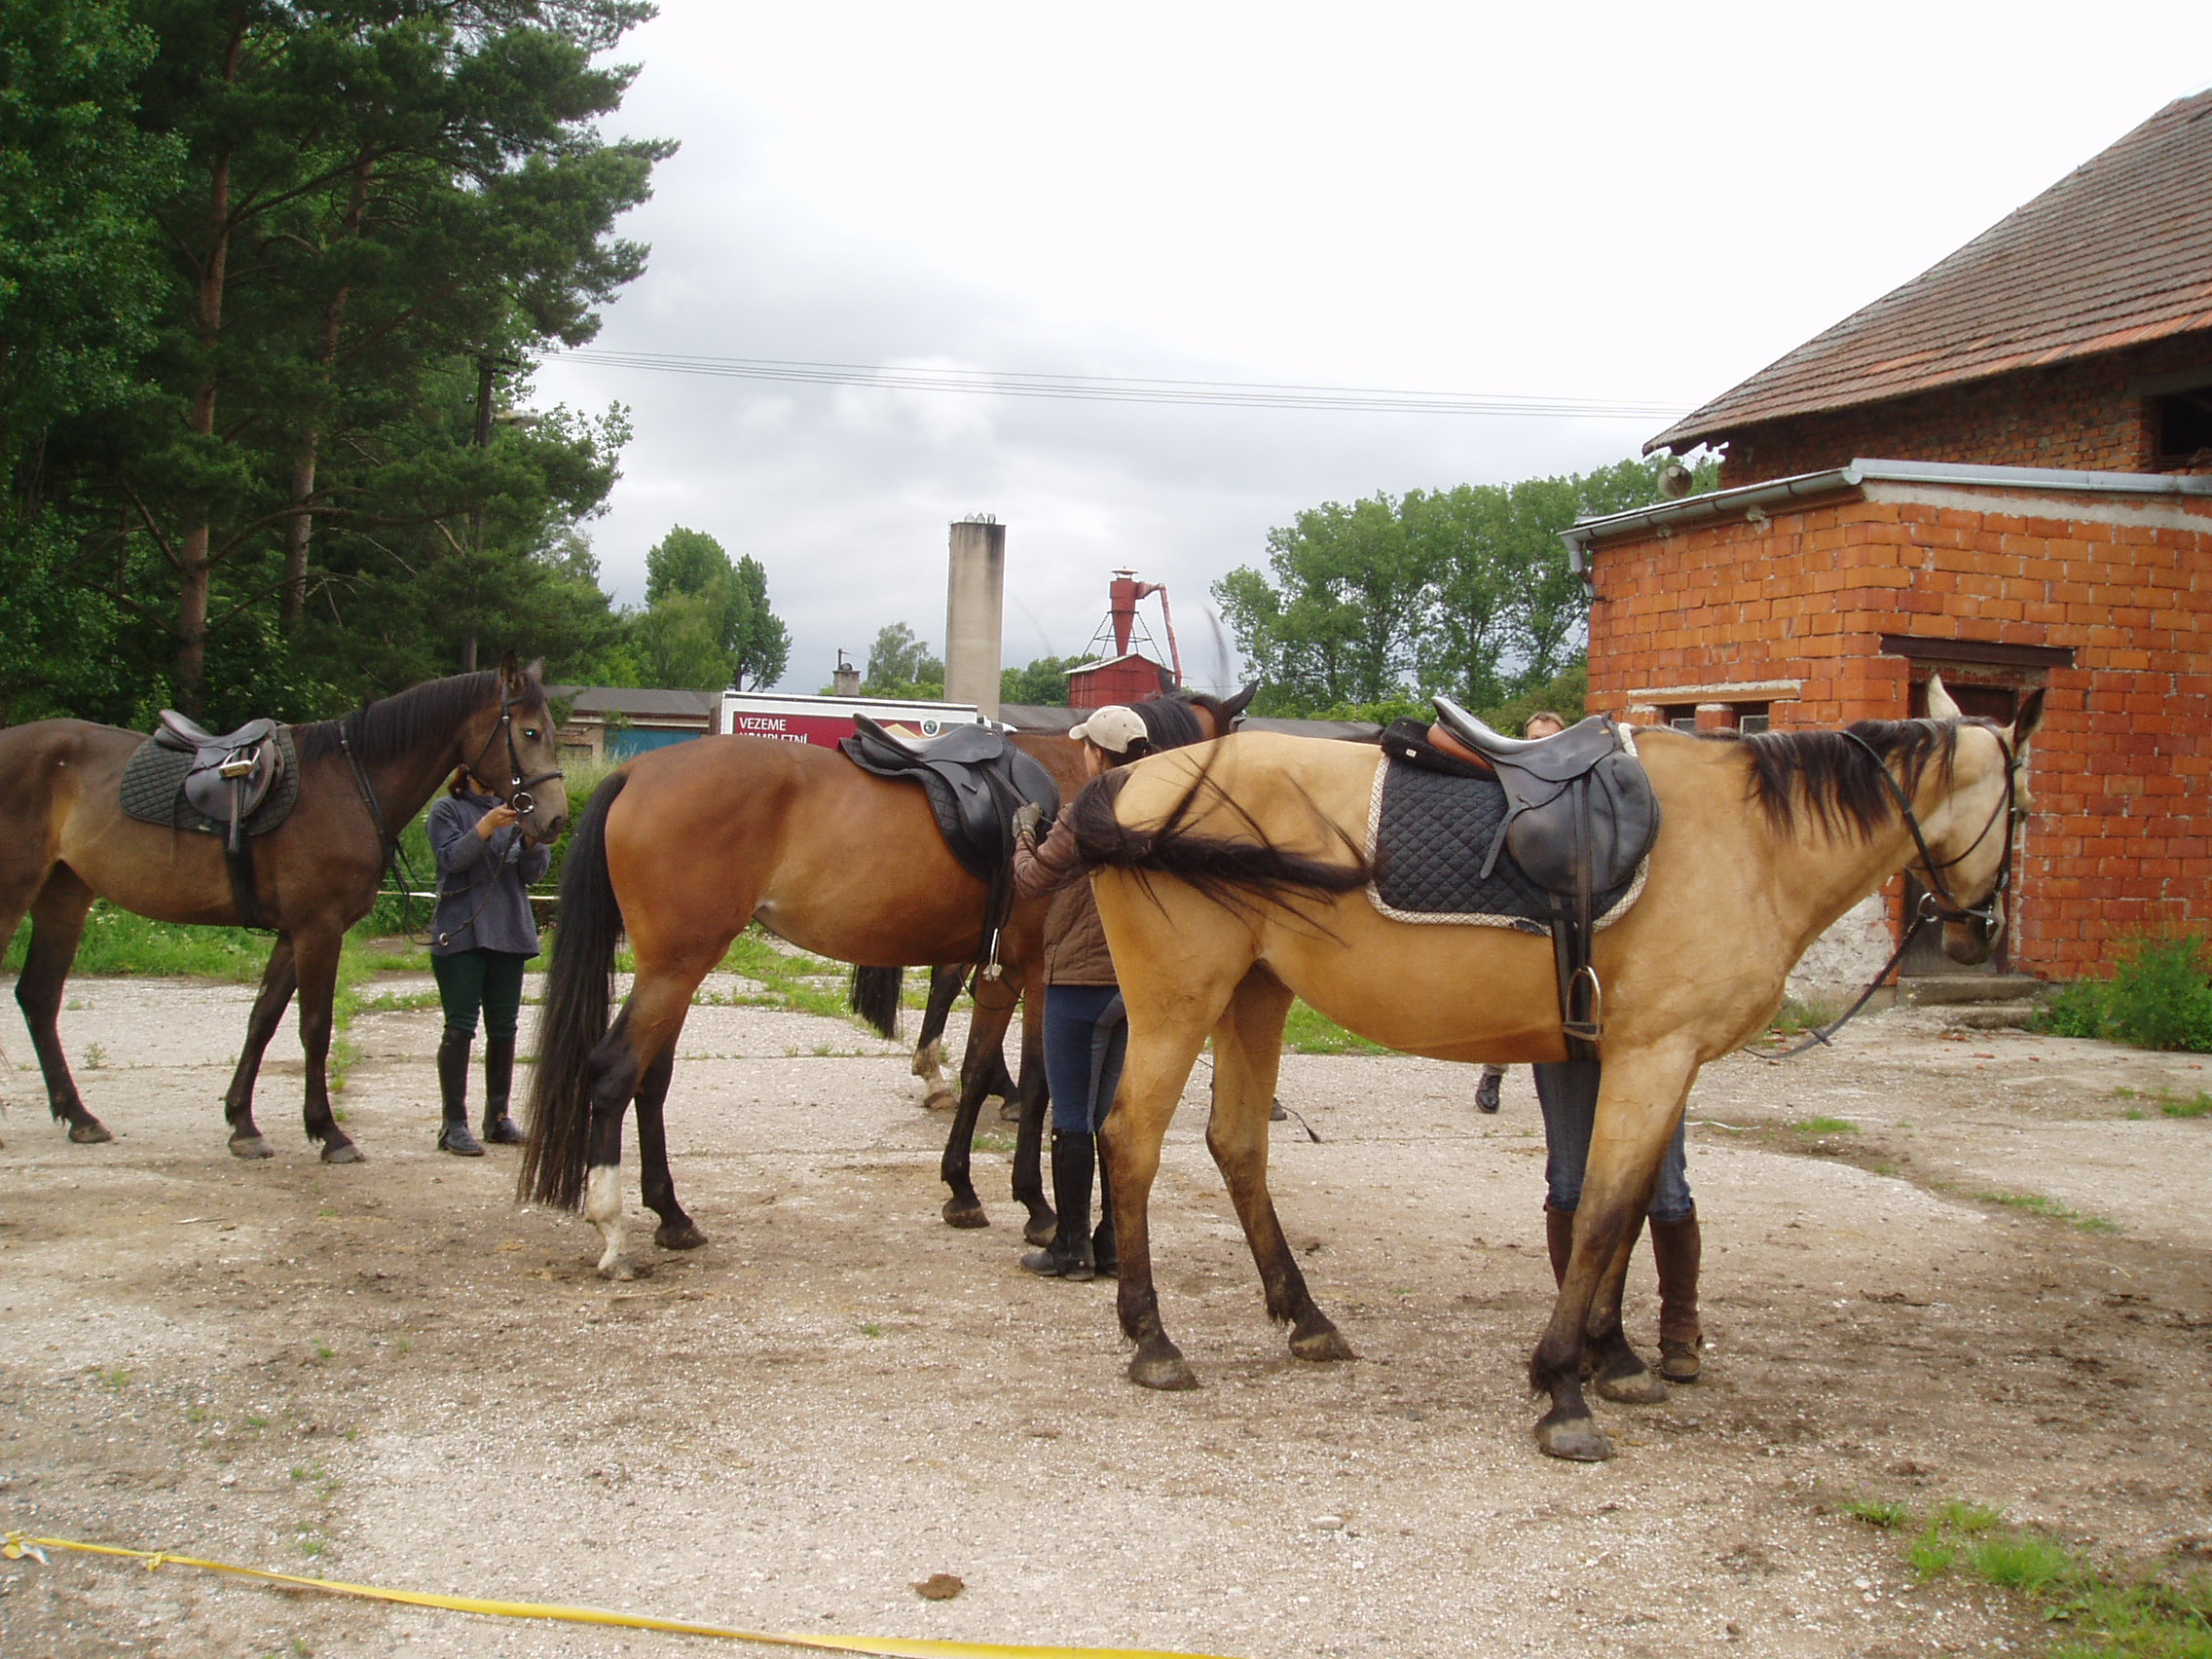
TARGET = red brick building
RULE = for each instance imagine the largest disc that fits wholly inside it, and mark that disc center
(2041, 516)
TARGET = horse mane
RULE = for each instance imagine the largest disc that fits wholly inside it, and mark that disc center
(394, 726)
(1825, 777)
(1171, 721)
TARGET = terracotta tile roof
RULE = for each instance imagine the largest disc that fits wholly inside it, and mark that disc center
(2116, 253)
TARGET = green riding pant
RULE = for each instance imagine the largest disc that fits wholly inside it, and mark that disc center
(489, 979)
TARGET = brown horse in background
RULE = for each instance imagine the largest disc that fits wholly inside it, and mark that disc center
(1231, 879)
(65, 840)
(683, 847)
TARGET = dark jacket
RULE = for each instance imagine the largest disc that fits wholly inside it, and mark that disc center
(482, 900)
(1075, 938)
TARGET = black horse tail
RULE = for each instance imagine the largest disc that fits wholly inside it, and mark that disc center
(875, 997)
(579, 995)
(1246, 873)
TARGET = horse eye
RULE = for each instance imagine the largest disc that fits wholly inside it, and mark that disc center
(530, 732)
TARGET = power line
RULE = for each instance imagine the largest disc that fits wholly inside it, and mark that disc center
(1118, 389)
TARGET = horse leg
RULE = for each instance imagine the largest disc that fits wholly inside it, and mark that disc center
(677, 1231)
(1638, 1100)
(642, 1034)
(1247, 1049)
(1159, 1064)
(57, 923)
(314, 957)
(279, 980)
(1029, 1139)
(929, 1049)
(994, 1010)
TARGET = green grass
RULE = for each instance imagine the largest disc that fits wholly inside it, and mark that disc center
(2035, 1203)
(1308, 1031)
(2102, 1612)
(790, 981)
(1825, 1127)
(1878, 1514)
(2199, 1106)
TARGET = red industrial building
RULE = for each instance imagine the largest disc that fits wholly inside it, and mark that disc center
(2041, 515)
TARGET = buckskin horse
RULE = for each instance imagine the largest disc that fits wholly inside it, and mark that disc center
(824, 855)
(1234, 878)
(65, 840)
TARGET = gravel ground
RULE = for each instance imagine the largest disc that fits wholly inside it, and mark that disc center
(390, 1374)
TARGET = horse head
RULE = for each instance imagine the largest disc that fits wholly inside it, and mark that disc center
(520, 753)
(1972, 832)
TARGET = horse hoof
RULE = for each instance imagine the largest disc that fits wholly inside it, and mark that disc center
(939, 1099)
(620, 1268)
(1637, 1387)
(251, 1145)
(1577, 1440)
(1040, 1229)
(958, 1214)
(686, 1236)
(90, 1133)
(1170, 1374)
(1327, 1344)
(345, 1152)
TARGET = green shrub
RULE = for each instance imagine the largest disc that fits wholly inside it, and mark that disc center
(2159, 997)
(2162, 995)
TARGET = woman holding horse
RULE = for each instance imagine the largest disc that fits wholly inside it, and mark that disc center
(1086, 1031)
(480, 939)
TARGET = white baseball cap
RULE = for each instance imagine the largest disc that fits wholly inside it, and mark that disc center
(1113, 728)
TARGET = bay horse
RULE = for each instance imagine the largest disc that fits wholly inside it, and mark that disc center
(1233, 878)
(65, 840)
(824, 855)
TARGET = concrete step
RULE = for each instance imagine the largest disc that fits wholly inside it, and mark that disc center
(1990, 1016)
(1927, 990)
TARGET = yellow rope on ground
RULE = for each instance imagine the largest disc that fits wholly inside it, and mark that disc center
(16, 1545)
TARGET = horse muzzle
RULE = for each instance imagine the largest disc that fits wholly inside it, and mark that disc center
(1973, 941)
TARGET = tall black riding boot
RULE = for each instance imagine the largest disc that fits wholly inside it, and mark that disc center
(452, 1090)
(498, 1083)
(1075, 1159)
(1105, 1252)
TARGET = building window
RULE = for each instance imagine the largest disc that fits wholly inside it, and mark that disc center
(2184, 424)
(1683, 717)
(1752, 717)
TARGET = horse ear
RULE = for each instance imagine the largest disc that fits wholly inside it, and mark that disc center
(1233, 710)
(536, 672)
(2026, 723)
(510, 670)
(1939, 704)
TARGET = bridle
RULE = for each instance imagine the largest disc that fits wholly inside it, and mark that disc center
(1939, 904)
(518, 785)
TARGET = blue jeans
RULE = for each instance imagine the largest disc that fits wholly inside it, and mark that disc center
(1086, 1036)
(1568, 1091)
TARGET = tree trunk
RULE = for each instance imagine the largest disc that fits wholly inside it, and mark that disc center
(194, 579)
(300, 532)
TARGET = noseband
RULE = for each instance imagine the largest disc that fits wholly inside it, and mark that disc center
(1938, 902)
(518, 785)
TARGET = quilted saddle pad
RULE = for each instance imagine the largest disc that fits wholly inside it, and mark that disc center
(1427, 835)
(153, 789)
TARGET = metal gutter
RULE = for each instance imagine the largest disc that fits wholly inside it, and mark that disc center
(1748, 499)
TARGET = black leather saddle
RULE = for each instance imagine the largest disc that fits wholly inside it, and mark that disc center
(976, 780)
(230, 775)
(1580, 816)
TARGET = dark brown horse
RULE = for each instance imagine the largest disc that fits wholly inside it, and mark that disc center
(65, 840)
(828, 857)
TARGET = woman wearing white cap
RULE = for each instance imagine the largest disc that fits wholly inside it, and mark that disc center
(1086, 1031)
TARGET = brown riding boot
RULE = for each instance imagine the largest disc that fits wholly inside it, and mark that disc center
(1676, 1250)
(1559, 1239)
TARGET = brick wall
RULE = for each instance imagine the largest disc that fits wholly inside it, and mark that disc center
(2077, 414)
(2120, 839)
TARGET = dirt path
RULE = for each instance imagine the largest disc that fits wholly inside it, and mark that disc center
(389, 1374)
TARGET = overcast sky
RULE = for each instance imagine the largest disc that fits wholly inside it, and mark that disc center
(1598, 202)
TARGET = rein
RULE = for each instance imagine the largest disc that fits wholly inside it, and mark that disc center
(1939, 904)
(393, 862)
(518, 785)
